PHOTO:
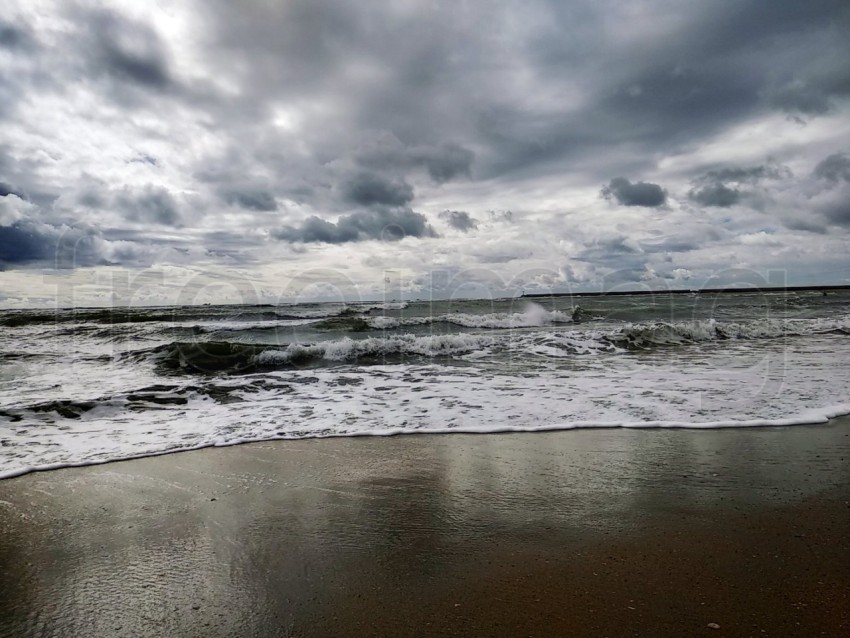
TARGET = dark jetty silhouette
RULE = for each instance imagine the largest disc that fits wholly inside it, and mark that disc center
(689, 291)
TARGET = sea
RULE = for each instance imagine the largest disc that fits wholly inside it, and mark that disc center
(86, 386)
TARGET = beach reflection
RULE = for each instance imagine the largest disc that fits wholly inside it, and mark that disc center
(284, 538)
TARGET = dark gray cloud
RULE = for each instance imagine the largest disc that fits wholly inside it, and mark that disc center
(384, 224)
(13, 37)
(21, 174)
(748, 174)
(676, 244)
(800, 97)
(17, 75)
(635, 194)
(839, 212)
(144, 158)
(20, 243)
(719, 187)
(432, 86)
(809, 224)
(127, 51)
(30, 242)
(834, 168)
(226, 174)
(715, 195)
(444, 162)
(717, 68)
(115, 56)
(8, 189)
(439, 85)
(459, 220)
(370, 189)
(90, 197)
(251, 199)
(833, 203)
(27, 241)
(152, 204)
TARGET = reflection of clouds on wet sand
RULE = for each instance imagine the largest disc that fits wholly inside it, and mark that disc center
(293, 533)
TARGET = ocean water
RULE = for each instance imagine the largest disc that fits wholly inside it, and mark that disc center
(93, 385)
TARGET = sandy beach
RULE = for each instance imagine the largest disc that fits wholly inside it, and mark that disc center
(581, 533)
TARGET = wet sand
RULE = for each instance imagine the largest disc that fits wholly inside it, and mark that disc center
(580, 533)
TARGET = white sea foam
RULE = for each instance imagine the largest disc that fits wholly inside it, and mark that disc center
(384, 323)
(748, 384)
(393, 305)
(533, 316)
(659, 333)
(77, 397)
(347, 349)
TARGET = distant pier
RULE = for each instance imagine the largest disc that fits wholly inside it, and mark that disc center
(695, 291)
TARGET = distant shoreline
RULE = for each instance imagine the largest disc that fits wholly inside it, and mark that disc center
(695, 291)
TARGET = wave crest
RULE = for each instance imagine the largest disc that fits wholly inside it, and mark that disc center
(211, 357)
(645, 335)
(534, 316)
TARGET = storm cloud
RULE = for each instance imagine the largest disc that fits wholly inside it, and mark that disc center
(21, 243)
(459, 220)
(834, 168)
(8, 189)
(12, 37)
(839, 212)
(153, 204)
(729, 185)
(634, 194)
(381, 224)
(28, 241)
(715, 195)
(370, 189)
(444, 162)
(747, 174)
(127, 51)
(250, 199)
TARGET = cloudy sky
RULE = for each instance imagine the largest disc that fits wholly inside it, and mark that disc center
(256, 150)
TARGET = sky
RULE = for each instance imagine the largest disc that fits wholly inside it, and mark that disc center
(268, 151)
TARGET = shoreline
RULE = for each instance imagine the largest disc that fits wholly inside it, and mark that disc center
(812, 417)
(586, 532)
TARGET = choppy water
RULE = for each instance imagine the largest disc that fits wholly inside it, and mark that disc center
(87, 386)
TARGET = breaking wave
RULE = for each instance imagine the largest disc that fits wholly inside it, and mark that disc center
(95, 387)
(178, 314)
(646, 335)
(239, 358)
(534, 317)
